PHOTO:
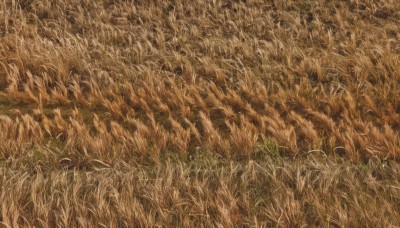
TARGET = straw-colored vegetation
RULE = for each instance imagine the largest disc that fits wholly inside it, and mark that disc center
(203, 112)
(276, 192)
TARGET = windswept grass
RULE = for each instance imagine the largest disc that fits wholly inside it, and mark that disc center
(88, 85)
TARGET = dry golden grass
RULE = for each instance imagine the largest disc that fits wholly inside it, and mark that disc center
(276, 192)
(105, 84)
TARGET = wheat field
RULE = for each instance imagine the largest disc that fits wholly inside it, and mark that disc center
(123, 113)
